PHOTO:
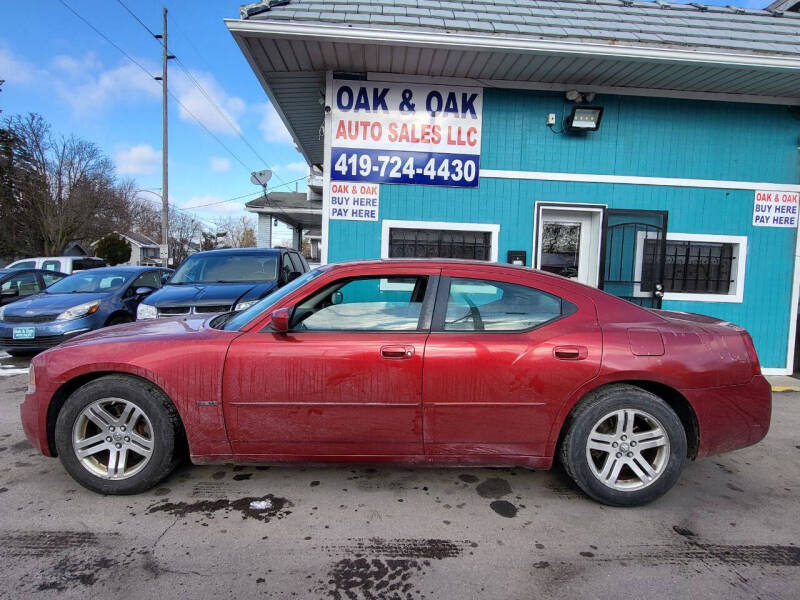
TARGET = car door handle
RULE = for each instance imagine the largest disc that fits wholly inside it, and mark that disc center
(397, 352)
(570, 352)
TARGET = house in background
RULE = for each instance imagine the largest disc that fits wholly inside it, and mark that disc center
(75, 248)
(144, 250)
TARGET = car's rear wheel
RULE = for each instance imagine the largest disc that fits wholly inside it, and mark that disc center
(624, 446)
(118, 435)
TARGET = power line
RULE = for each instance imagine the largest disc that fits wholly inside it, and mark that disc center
(131, 13)
(138, 64)
(245, 195)
(233, 126)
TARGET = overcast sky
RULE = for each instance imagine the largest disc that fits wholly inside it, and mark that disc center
(55, 65)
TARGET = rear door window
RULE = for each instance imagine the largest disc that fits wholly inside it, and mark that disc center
(26, 264)
(51, 265)
(480, 305)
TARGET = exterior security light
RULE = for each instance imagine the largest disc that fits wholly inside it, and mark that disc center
(584, 118)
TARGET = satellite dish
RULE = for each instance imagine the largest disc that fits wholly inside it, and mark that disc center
(261, 177)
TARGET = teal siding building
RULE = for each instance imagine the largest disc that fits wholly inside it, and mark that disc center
(725, 145)
(697, 117)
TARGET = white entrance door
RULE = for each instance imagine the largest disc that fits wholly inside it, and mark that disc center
(568, 243)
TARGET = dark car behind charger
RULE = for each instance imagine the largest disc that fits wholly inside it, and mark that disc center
(78, 303)
(218, 281)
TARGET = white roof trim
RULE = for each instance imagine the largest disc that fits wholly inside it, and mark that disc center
(470, 41)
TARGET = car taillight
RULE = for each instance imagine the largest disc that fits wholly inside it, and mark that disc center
(751, 350)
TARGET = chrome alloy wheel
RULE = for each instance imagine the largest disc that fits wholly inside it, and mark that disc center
(627, 449)
(113, 438)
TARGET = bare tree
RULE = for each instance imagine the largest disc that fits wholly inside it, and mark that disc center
(184, 233)
(56, 189)
(236, 233)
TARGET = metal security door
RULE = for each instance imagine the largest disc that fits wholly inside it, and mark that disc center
(633, 261)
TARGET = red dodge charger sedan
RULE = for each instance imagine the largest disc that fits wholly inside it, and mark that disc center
(411, 362)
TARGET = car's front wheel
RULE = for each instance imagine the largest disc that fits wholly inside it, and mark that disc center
(624, 446)
(118, 435)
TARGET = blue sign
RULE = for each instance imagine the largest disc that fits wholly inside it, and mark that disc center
(426, 168)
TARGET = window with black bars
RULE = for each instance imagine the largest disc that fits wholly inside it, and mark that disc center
(690, 267)
(439, 243)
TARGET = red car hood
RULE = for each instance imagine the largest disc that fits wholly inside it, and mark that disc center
(170, 327)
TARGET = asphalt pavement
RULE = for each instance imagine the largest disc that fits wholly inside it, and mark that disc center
(729, 529)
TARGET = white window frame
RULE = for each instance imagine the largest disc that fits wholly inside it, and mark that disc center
(736, 293)
(388, 224)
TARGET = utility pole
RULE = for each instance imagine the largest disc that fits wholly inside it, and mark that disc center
(164, 169)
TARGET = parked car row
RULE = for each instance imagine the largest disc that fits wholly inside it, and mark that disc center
(41, 308)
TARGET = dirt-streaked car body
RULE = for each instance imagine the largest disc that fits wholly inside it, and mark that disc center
(476, 364)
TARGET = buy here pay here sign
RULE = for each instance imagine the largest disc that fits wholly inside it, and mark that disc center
(775, 209)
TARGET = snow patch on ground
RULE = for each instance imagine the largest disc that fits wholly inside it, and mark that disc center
(8, 371)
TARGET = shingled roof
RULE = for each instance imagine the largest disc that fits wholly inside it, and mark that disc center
(603, 46)
(605, 21)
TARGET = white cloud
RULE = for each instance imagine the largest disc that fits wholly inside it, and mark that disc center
(272, 127)
(296, 167)
(16, 70)
(193, 101)
(220, 164)
(86, 88)
(141, 159)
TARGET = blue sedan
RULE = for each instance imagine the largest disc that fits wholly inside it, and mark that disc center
(79, 303)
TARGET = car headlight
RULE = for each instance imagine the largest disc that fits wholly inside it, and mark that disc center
(245, 304)
(82, 310)
(31, 380)
(146, 311)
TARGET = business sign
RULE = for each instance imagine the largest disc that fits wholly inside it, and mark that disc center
(354, 201)
(775, 209)
(397, 133)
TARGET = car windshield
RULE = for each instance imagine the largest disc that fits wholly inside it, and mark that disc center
(90, 281)
(241, 319)
(227, 268)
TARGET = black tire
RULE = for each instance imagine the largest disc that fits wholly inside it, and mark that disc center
(22, 353)
(594, 407)
(167, 433)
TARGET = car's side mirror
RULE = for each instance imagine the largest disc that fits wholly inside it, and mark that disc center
(280, 320)
(292, 276)
(144, 291)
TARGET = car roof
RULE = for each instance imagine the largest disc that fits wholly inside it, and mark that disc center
(238, 251)
(122, 269)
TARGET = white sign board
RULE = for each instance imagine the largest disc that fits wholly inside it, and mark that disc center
(403, 133)
(163, 251)
(354, 201)
(775, 209)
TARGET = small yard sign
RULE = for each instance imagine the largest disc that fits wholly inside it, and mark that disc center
(775, 209)
(353, 201)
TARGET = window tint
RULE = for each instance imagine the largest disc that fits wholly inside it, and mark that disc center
(477, 305)
(51, 278)
(367, 304)
(286, 266)
(222, 267)
(150, 279)
(25, 284)
(82, 264)
(304, 263)
(51, 265)
(296, 264)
